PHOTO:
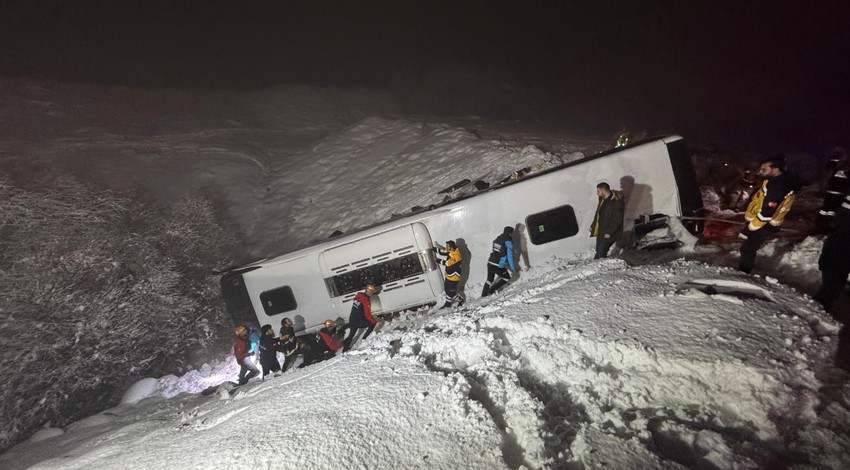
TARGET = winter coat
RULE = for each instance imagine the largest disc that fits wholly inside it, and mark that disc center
(503, 252)
(609, 217)
(837, 187)
(268, 349)
(326, 341)
(451, 262)
(835, 255)
(241, 348)
(361, 311)
(770, 203)
(288, 343)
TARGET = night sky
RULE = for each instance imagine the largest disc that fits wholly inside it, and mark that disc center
(759, 73)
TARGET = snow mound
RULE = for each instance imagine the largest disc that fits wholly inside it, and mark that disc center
(139, 391)
(45, 433)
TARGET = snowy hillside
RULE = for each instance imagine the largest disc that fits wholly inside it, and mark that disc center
(581, 363)
(576, 364)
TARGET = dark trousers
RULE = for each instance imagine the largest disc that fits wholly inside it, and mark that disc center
(353, 328)
(831, 287)
(496, 278)
(450, 287)
(270, 365)
(317, 353)
(603, 246)
(751, 246)
(289, 356)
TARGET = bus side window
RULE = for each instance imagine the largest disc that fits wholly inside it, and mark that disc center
(278, 300)
(553, 224)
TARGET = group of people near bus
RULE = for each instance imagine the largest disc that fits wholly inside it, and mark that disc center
(312, 348)
(607, 227)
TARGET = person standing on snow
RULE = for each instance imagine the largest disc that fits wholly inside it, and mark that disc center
(500, 265)
(288, 343)
(242, 351)
(835, 189)
(834, 262)
(767, 209)
(269, 345)
(607, 224)
(361, 314)
(451, 259)
(325, 346)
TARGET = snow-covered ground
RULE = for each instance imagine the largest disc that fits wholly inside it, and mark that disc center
(591, 362)
(577, 364)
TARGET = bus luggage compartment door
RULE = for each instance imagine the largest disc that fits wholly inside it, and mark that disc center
(398, 259)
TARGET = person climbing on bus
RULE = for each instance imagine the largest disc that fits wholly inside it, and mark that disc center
(324, 347)
(500, 265)
(450, 257)
(242, 351)
(361, 314)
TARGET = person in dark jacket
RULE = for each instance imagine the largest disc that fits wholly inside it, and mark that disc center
(288, 343)
(836, 188)
(242, 351)
(449, 256)
(834, 262)
(607, 224)
(269, 344)
(500, 264)
(361, 314)
(324, 347)
(767, 209)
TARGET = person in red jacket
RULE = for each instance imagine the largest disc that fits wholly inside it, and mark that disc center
(242, 351)
(325, 346)
(361, 314)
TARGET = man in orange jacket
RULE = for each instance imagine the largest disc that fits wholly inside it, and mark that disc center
(361, 314)
(325, 346)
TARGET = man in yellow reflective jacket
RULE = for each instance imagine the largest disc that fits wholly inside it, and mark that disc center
(767, 209)
(450, 258)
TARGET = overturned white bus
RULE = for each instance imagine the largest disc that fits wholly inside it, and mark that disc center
(550, 210)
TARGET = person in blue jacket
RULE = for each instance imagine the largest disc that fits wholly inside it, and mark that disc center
(500, 265)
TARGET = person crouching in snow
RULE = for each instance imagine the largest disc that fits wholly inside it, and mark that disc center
(450, 258)
(361, 314)
(269, 344)
(242, 351)
(325, 346)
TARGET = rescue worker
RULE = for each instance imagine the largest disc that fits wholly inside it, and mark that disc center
(836, 188)
(269, 345)
(500, 265)
(288, 343)
(361, 314)
(242, 351)
(767, 209)
(450, 258)
(324, 347)
(834, 262)
(607, 224)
